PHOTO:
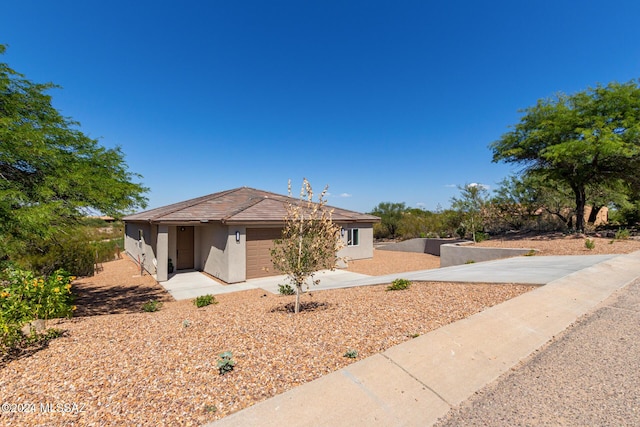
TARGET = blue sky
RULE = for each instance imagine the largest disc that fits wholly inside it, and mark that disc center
(383, 101)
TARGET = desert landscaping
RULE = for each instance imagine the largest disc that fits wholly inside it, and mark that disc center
(118, 365)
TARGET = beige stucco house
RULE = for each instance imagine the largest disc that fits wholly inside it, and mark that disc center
(227, 234)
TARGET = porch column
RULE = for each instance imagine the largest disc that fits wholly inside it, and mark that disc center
(162, 274)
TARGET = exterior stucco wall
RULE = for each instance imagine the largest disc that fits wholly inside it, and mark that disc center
(173, 249)
(141, 246)
(216, 250)
(212, 250)
(365, 247)
(162, 248)
(219, 253)
(236, 254)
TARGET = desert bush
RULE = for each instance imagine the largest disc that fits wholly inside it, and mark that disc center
(481, 236)
(204, 300)
(24, 297)
(74, 249)
(225, 363)
(286, 289)
(589, 244)
(622, 234)
(106, 250)
(151, 306)
(399, 285)
(70, 251)
(351, 354)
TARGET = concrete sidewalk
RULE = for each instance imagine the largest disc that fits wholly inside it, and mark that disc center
(415, 383)
(587, 376)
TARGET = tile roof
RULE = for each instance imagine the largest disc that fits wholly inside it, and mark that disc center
(237, 206)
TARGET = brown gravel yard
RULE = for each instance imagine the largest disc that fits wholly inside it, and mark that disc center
(560, 244)
(121, 366)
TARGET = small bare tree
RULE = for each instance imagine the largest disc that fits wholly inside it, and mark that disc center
(310, 240)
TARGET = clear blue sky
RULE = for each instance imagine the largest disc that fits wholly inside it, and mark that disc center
(384, 101)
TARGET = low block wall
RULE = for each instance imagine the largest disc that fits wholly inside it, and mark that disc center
(461, 253)
(419, 245)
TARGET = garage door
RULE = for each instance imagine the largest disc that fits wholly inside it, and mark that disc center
(259, 244)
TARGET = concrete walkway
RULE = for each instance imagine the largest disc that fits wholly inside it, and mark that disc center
(192, 284)
(419, 381)
(536, 270)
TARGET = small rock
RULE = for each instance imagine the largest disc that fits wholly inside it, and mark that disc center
(37, 325)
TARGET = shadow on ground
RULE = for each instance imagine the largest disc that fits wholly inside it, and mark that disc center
(27, 349)
(94, 300)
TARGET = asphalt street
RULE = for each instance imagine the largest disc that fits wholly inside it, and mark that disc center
(589, 375)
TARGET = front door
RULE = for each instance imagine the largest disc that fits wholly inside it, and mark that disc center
(184, 246)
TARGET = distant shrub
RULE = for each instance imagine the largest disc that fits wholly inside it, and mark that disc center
(106, 250)
(469, 261)
(481, 236)
(622, 234)
(71, 252)
(204, 300)
(589, 244)
(399, 285)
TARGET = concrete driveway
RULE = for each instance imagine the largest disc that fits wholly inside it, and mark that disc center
(535, 270)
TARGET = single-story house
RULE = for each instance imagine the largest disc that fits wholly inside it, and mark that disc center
(227, 234)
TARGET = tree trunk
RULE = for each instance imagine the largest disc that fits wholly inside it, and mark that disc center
(593, 215)
(298, 292)
(580, 204)
(473, 229)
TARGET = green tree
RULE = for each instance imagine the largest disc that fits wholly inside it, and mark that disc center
(310, 240)
(421, 223)
(51, 174)
(470, 204)
(514, 204)
(587, 140)
(520, 201)
(390, 215)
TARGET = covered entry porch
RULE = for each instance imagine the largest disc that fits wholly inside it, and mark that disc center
(166, 249)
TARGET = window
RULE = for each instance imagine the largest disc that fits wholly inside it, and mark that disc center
(353, 237)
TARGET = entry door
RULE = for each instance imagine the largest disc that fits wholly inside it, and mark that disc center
(184, 246)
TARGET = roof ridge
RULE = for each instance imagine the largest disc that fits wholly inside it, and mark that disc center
(235, 205)
(252, 202)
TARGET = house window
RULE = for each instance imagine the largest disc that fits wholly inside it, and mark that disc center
(353, 237)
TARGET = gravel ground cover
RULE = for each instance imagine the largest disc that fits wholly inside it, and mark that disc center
(560, 244)
(116, 365)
